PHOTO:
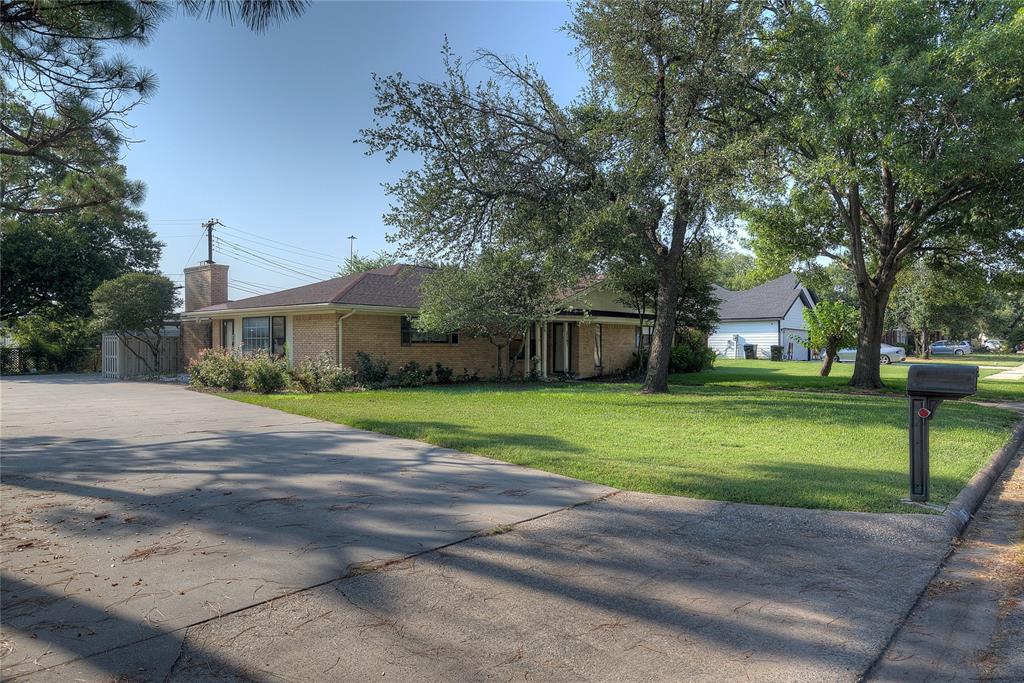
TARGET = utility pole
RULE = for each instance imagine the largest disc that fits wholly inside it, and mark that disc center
(351, 241)
(209, 237)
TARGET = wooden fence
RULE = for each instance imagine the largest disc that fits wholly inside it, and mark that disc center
(119, 361)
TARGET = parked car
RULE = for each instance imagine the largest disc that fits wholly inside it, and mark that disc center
(888, 354)
(950, 348)
(993, 344)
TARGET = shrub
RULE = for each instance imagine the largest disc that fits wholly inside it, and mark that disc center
(412, 375)
(264, 374)
(323, 374)
(468, 376)
(218, 368)
(691, 354)
(372, 373)
(443, 375)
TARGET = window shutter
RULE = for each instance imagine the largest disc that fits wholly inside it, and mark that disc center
(406, 330)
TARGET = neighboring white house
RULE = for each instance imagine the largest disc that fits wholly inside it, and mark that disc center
(767, 315)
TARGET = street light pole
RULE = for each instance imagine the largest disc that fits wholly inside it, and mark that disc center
(351, 242)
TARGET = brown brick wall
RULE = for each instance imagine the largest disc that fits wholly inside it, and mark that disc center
(617, 343)
(205, 285)
(313, 334)
(195, 336)
(381, 336)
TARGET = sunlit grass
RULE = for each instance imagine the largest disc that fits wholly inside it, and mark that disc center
(763, 374)
(815, 450)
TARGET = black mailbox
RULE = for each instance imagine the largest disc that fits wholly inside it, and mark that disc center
(927, 387)
(942, 381)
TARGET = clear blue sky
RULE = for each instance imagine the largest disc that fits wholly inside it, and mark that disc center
(258, 130)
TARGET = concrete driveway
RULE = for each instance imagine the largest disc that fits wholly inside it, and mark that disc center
(147, 531)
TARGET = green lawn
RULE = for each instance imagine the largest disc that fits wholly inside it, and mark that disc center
(763, 374)
(816, 450)
(1005, 360)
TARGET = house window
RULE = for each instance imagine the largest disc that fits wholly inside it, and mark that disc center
(277, 338)
(643, 338)
(410, 335)
(227, 334)
(264, 334)
(598, 351)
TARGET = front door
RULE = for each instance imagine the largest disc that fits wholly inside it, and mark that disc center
(561, 339)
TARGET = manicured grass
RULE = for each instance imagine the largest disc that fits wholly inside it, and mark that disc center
(815, 450)
(1005, 360)
(763, 374)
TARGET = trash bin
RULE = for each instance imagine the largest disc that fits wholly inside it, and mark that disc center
(750, 351)
(776, 352)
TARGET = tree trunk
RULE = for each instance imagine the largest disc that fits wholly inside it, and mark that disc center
(826, 365)
(866, 369)
(926, 351)
(656, 379)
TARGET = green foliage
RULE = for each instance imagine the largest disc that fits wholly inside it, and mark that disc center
(323, 374)
(412, 375)
(886, 154)
(831, 325)
(361, 264)
(372, 373)
(495, 296)
(633, 274)
(135, 302)
(830, 282)
(932, 296)
(136, 306)
(691, 354)
(58, 261)
(636, 158)
(265, 374)
(218, 369)
(57, 342)
(443, 374)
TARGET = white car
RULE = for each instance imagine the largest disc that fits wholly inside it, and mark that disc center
(993, 344)
(889, 354)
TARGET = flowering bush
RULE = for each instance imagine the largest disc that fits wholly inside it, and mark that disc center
(265, 374)
(218, 368)
(323, 374)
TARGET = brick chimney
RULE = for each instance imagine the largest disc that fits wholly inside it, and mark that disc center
(205, 285)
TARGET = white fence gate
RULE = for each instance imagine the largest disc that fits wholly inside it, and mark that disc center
(122, 360)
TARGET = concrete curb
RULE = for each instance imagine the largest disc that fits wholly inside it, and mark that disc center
(960, 510)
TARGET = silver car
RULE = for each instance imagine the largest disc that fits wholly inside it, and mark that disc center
(888, 354)
(949, 348)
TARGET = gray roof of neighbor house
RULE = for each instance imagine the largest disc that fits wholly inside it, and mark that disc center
(394, 286)
(769, 301)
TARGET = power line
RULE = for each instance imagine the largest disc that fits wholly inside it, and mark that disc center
(264, 266)
(189, 259)
(294, 248)
(279, 262)
(274, 257)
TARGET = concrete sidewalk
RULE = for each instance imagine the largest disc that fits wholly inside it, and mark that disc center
(969, 624)
(1016, 373)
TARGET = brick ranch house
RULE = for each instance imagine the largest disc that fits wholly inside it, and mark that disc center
(372, 312)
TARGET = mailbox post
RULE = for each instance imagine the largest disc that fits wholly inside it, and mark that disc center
(928, 386)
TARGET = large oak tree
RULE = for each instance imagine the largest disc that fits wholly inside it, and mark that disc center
(652, 150)
(900, 130)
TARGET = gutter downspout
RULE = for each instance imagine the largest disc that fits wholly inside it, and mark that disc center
(340, 326)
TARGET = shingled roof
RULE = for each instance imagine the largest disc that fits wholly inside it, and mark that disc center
(770, 301)
(394, 286)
